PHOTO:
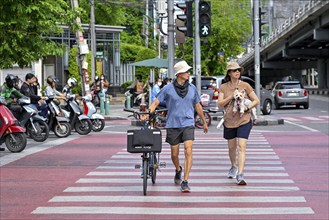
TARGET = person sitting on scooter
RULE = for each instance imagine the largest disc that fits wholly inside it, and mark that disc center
(51, 90)
(28, 90)
(11, 94)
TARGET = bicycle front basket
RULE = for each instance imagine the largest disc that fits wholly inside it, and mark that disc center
(144, 140)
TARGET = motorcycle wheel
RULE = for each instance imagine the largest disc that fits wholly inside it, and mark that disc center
(198, 121)
(16, 142)
(62, 129)
(83, 127)
(42, 132)
(98, 124)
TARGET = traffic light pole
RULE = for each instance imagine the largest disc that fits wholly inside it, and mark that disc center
(171, 40)
(197, 47)
(257, 51)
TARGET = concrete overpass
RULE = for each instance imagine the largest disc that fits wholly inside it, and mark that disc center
(297, 47)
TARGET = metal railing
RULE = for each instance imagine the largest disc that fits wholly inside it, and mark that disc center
(294, 19)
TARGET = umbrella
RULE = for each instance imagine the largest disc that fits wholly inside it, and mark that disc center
(154, 62)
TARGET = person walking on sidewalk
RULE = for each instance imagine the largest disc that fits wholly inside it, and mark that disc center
(237, 127)
(182, 100)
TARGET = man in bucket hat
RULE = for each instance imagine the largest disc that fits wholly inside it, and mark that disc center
(237, 127)
(182, 100)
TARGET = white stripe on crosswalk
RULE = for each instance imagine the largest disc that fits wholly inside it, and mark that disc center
(214, 162)
(191, 174)
(185, 199)
(312, 118)
(170, 181)
(196, 167)
(290, 119)
(199, 157)
(173, 211)
(154, 188)
(211, 150)
(210, 153)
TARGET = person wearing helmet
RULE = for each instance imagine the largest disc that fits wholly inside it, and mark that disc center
(71, 82)
(11, 94)
(51, 90)
(28, 89)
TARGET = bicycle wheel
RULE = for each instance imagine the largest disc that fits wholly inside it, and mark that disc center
(154, 168)
(198, 121)
(145, 169)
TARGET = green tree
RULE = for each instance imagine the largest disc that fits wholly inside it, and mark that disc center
(25, 25)
(230, 29)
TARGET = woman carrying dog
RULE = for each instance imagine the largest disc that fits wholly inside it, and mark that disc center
(237, 126)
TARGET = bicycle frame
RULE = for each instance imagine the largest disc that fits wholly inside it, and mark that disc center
(150, 161)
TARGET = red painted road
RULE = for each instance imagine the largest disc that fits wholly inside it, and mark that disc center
(29, 185)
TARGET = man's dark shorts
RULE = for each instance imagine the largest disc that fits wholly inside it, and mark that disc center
(179, 135)
(240, 132)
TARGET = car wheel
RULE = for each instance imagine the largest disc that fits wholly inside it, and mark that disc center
(306, 106)
(267, 107)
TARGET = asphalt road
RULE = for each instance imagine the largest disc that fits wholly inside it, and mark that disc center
(93, 177)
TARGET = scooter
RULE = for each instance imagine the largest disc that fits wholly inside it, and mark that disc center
(57, 121)
(79, 121)
(11, 133)
(36, 125)
(97, 120)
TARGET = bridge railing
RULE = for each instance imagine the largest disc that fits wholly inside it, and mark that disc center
(294, 19)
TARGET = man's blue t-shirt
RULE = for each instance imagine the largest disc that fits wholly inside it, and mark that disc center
(180, 110)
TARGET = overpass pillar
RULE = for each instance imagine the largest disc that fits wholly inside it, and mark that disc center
(323, 73)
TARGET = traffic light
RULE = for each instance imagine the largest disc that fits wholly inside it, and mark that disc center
(263, 21)
(187, 18)
(204, 18)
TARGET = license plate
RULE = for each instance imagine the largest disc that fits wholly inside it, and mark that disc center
(292, 94)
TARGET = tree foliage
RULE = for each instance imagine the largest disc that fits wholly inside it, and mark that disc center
(24, 27)
(230, 29)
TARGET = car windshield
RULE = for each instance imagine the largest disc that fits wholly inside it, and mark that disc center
(289, 86)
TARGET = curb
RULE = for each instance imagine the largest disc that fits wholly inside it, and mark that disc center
(318, 92)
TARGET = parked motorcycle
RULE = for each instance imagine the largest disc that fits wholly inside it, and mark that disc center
(11, 133)
(35, 124)
(57, 121)
(97, 120)
(79, 121)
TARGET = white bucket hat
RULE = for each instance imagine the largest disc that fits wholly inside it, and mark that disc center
(181, 67)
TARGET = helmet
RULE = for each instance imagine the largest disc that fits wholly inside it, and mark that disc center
(72, 82)
(11, 80)
(51, 79)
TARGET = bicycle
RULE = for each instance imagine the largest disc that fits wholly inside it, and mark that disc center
(147, 141)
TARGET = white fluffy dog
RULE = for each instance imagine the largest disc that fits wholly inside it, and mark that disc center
(240, 103)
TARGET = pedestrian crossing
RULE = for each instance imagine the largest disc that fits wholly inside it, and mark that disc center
(307, 119)
(114, 188)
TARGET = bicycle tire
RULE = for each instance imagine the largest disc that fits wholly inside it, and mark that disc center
(198, 121)
(145, 169)
(154, 168)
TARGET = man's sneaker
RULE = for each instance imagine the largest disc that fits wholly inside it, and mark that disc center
(178, 176)
(184, 186)
(232, 172)
(240, 180)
